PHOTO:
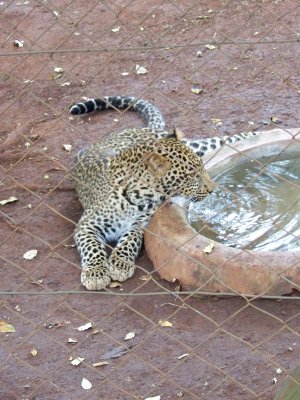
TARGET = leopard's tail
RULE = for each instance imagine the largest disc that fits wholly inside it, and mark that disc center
(203, 146)
(149, 112)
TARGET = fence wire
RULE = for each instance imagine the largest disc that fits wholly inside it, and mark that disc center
(214, 69)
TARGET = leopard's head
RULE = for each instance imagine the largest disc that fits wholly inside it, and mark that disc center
(178, 170)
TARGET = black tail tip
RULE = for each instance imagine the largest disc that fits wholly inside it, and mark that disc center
(74, 110)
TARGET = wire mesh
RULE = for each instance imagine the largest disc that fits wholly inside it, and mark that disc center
(213, 68)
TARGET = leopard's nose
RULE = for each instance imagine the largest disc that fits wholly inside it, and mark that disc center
(211, 186)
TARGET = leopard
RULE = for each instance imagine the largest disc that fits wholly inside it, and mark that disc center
(123, 179)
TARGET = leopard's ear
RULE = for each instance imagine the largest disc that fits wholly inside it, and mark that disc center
(178, 134)
(156, 164)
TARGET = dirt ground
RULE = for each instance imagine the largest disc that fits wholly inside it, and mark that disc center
(216, 348)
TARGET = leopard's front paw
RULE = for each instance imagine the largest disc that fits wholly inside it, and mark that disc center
(120, 269)
(95, 278)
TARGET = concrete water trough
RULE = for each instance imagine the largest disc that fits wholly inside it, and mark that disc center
(180, 253)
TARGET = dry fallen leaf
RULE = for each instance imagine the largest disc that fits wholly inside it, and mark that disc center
(30, 254)
(5, 327)
(38, 282)
(85, 327)
(77, 361)
(86, 384)
(129, 336)
(140, 70)
(116, 352)
(275, 120)
(19, 43)
(204, 17)
(210, 46)
(9, 200)
(72, 341)
(57, 73)
(115, 284)
(182, 356)
(100, 363)
(196, 90)
(34, 352)
(145, 277)
(216, 121)
(56, 324)
(209, 248)
(67, 147)
(165, 324)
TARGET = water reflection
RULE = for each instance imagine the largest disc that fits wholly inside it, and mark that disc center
(260, 210)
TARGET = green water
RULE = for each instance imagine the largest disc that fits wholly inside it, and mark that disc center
(259, 210)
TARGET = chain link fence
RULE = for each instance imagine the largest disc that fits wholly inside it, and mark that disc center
(213, 68)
